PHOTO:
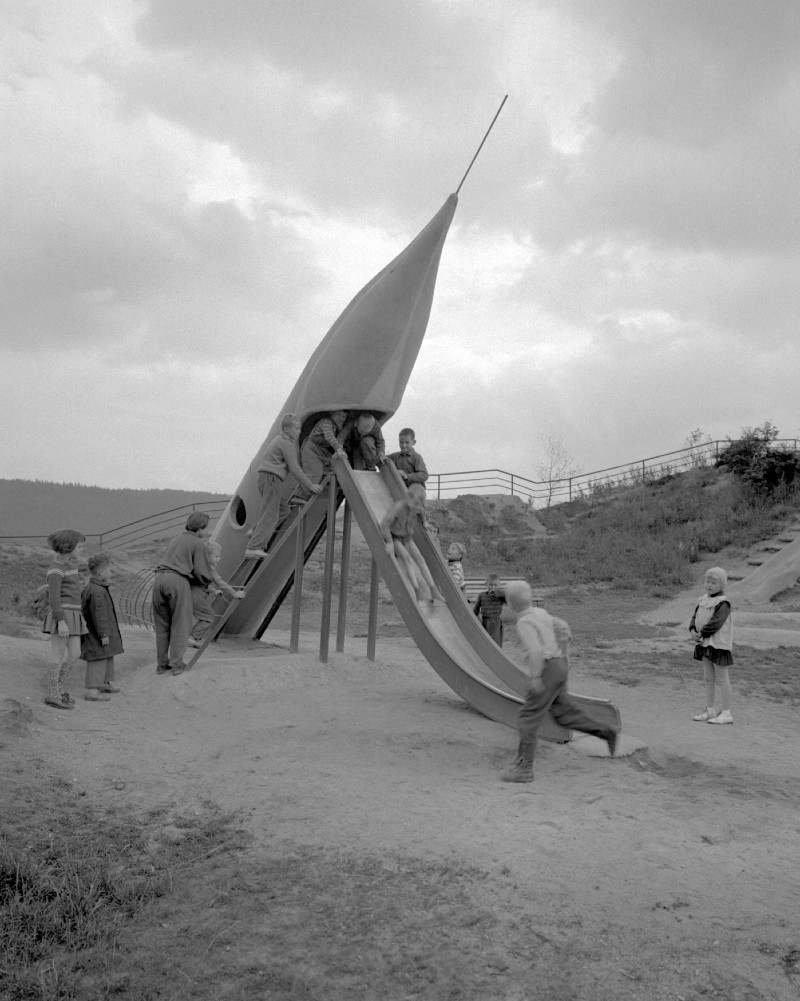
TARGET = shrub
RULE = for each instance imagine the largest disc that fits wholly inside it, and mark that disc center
(764, 469)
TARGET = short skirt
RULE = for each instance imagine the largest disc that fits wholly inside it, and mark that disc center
(75, 621)
(721, 658)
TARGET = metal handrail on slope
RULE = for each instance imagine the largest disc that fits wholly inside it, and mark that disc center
(440, 486)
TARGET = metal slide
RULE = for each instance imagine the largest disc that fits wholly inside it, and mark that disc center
(449, 636)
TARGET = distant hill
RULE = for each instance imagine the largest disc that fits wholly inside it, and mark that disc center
(38, 507)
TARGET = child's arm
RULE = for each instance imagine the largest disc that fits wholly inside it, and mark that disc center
(335, 442)
(293, 464)
(386, 523)
(54, 579)
(420, 473)
(224, 587)
(692, 629)
(477, 607)
(380, 444)
(717, 620)
(563, 635)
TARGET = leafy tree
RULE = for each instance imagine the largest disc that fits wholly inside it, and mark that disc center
(755, 460)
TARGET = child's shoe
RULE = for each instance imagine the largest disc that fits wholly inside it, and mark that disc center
(522, 771)
(66, 697)
(57, 703)
(194, 643)
(723, 717)
(109, 688)
(94, 695)
(255, 554)
(705, 717)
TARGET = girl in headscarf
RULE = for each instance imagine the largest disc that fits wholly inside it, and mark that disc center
(711, 629)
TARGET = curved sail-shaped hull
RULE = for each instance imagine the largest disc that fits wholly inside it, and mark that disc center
(363, 363)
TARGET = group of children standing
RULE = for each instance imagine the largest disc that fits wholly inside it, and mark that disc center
(82, 621)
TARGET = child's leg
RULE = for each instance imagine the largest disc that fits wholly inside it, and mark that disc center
(416, 555)
(724, 685)
(95, 669)
(709, 676)
(73, 650)
(58, 646)
(407, 564)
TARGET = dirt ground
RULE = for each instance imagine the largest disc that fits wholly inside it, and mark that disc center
(671, 872)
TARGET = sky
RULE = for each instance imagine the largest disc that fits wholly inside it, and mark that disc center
(193, 190)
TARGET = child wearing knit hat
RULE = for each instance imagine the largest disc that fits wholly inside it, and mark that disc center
(711, 629)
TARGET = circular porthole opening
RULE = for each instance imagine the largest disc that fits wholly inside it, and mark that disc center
(238, 512)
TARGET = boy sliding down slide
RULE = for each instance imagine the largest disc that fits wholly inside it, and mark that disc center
(397, 529)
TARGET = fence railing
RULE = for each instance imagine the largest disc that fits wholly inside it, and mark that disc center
(441, 486)
(154, 526)
(542, 493)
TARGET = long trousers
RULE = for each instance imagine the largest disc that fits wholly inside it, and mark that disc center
(274, 509)
(556, 699)
(172, 617)
(493, 625)
(202, 611)
(365, 453)
(99, 672)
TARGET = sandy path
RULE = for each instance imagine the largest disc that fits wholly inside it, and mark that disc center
(693, 843)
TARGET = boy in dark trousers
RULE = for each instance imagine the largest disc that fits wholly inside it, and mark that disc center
(489, 607)
(103, 641)
(543, 639)
(366, 442)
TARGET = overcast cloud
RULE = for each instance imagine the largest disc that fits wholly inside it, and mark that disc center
(193, 190)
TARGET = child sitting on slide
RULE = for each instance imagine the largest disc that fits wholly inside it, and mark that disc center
(397, 529)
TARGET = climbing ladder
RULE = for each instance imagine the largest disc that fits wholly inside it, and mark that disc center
(251, 570)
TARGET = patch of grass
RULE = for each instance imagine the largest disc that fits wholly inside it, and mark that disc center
(771, 674)
(74, 882)
(101, 904)
(649, 537)
(12, 625)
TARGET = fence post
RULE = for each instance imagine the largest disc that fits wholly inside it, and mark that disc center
(438, 486)
(512, 484)
(569, 488)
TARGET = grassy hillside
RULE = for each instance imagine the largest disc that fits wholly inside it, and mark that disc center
(644, 538)
(38, 507)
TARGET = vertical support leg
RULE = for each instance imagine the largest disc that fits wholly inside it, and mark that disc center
(372, 626)
(327, 580)
(344, 571)
(297, 597)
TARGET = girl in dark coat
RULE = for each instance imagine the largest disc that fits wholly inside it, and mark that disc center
(103, 641)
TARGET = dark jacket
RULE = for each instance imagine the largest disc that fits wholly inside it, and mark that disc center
(412, 464)
(374, 432)
(97, 608)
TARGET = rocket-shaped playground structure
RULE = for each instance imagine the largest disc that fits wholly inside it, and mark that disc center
(364, 363)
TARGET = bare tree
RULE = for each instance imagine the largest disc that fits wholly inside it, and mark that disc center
(698, 441)
(559, 463)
